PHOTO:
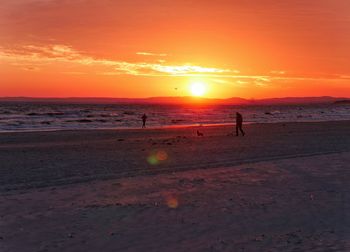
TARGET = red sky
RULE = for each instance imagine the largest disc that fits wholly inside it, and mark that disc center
(143, 48)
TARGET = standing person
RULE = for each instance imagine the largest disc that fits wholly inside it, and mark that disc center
(144, 118)
(239, 123)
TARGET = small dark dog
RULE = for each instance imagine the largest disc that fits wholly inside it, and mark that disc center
(199, 133)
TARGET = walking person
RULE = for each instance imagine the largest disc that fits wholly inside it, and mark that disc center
(144, 119)
(239, 124)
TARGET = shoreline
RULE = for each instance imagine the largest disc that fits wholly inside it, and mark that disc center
(166, 127)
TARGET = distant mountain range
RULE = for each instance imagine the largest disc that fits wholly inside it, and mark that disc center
(183, 100)
(340, 102)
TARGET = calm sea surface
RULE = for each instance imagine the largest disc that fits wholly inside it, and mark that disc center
(33, 117)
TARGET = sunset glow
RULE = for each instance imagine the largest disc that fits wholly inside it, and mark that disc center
(136, 48)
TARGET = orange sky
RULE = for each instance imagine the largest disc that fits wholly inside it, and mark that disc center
(143, 48)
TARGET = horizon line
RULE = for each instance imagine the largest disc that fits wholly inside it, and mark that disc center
(170, 97)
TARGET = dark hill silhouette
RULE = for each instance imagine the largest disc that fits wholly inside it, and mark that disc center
(343, 102)
(181, 100)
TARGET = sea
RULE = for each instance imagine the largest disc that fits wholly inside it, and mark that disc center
(23, 116)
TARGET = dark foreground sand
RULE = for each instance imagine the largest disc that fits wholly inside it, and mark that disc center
(283, 187)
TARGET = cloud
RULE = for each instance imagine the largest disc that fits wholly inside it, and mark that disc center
(48, 54)
(152, 54)
(344, 77)
(220, 81)
(31, 68)
(72, 61)
(278, 72)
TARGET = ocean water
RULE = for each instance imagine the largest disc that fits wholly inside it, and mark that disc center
(40, 117)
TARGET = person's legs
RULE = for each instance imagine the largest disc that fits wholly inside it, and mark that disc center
(241, 129)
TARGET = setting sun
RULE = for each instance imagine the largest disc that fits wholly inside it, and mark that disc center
(198, 88)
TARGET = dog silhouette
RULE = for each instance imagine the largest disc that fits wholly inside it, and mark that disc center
(199, 133)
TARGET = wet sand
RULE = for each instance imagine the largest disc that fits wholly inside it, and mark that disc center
(282, 187)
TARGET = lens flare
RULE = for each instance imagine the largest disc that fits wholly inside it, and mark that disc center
(157, 157)
(172, 201)
(152, 160)
(161, 155)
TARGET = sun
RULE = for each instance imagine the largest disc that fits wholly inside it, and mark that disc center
(198, 88)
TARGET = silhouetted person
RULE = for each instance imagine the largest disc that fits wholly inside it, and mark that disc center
(144, 119)
(239, 124)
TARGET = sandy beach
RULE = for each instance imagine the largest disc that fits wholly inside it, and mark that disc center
(282, 187)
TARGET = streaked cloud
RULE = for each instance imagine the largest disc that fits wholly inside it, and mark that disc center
(37, 57)
(152, 54)
(42, 55)
(278, 72)
(240, 82)
(345, 77)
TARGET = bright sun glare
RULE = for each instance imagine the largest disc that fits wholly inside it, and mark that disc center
(198, 88)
